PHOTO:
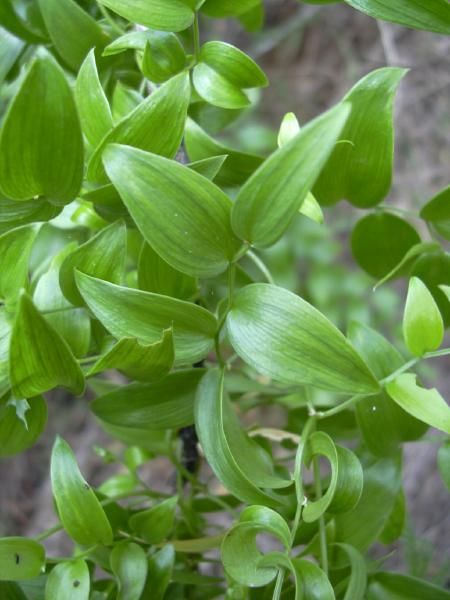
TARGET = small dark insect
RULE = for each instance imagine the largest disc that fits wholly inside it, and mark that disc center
(17, 559)
(76, 583)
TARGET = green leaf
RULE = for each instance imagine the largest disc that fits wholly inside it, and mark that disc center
(17, 436)
(357, 583)
(434, 270)
(381, 241)
(443, 461)
(20, 559)
(164, 15)
(129, 565)
(69, 578)
(182, 215)
(437, 212)
(163, 57)
(142, 127)
(395, 586)
(142, 362)
(289, 128)
(11, 591)
(237, 461)
(430, 15)
(426, 405)
(166, 404)
(241, 556)
(15, 249)
(73, 31)
(103, 256)
(15, 214)
(395, 525)
(346, 482)
(284, 337)
(80, 511)
(208, 167)
(72, 324)
(237, 167)
(39, 357)
(155, 524)
(222, 72)
(157, 276)
(423, 328)
(41, 147)
(362, 525)
(93, 106)
(160, 567)
(272, 196)
(131, 313)
(310, 581)
(13, 22)
(408, 260)
(227, 8)
(124, 101)
(383, 424)
(10, 49)
(360, 168)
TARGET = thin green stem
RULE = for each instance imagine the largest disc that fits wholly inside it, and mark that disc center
(341, 407)
(400, 370)
(436, 353)
(261, 266)
(231, 278)
(48, 532)
(322, 529)
(401, 211)
(279, 585)
(58, 559)
(196, 37)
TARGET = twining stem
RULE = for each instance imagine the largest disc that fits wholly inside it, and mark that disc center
(261, 266)
(196, 37)
(322, 529)
(309, 427)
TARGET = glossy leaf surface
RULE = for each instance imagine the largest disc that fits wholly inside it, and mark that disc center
(163, 57)
(69, 578)
(384, 425)
(15, 249)
(15, 435)
(268, 201)
(129, 565)
(430, 15)
(155, 524)
(167, 404)
(380, 241)
(182, 215)
(39, 358)
(237, 167)
(360, 168)
(73, 31)
(164, 15)
(41, 148)
(239, 464)
(103, 256)
(20, 558)
(426, 405)
(284, 337)
(157, 276)
(142, 127)
(423, 328)
(93, 106)
(142, 362)
(126, 312)
(78, 507)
